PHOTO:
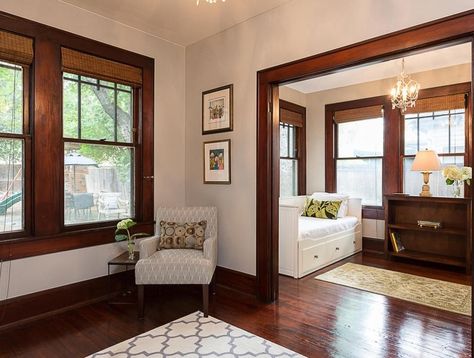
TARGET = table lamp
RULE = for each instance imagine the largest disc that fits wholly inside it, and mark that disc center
(426, 161)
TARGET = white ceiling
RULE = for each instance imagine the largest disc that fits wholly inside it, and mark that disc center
(179, 21)
(449, 56)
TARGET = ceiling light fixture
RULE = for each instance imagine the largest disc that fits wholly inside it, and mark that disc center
(405, 93)
(209, 1)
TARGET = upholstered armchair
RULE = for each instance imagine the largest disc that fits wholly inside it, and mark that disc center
(178, 266)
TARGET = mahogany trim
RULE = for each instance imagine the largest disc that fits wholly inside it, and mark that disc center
(453, 29)
(373, 246)
(21, 310)
(236, 280)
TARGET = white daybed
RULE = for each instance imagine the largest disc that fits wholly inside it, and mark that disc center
(308, 244)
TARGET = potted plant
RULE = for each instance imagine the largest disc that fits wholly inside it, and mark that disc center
(123, 233)
(456, 176)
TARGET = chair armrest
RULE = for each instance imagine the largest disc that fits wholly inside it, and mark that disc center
(148, 246)
(210, 249)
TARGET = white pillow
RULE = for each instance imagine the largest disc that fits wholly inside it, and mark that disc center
(334, 196)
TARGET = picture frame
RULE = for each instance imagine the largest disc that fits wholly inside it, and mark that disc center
(218, 110)
(217, 162)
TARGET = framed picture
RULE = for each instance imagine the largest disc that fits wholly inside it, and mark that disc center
(217, 110)
(217, 162)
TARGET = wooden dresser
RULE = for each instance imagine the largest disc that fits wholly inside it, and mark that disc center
(449, 245)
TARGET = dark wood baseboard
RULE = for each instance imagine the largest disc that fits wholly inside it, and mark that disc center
(236, 280)
(24, 309)
(373, 246)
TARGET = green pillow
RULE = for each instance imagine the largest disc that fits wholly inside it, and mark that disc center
(321, 209)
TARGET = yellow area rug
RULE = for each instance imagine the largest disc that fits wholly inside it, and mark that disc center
(444, 295)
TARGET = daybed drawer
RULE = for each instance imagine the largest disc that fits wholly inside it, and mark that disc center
(315, 256)
(340, 247)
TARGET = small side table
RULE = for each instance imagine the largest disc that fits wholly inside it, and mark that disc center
(123, 260)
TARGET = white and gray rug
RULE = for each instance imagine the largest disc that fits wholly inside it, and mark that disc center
(194, 336)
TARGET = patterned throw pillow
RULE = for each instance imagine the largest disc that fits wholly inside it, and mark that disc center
(182, 235)
(324, 209)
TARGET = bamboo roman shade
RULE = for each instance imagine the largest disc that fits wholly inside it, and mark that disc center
(16, 48)
(434, 104)
(290, 117)
(89, 65)
(358, 114)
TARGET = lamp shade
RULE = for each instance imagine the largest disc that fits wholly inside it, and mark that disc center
(426, 161)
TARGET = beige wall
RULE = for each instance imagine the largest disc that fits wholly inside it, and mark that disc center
(47, 271)
(298, 29)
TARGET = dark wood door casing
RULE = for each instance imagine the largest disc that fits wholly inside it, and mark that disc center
(45, 232)
(454, 29)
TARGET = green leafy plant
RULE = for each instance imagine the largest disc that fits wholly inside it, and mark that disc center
(123, 231)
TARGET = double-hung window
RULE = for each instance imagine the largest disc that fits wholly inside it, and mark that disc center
(288, 160)
(15, 59)
(437, 123)
(359, 153)
(99, 147)
(292, 149)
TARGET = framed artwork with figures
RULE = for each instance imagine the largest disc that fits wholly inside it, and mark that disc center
(217, 110)
(217, 162)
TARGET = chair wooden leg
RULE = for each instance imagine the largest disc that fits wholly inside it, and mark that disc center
(213, 284)
(205, 300)
(141, 301)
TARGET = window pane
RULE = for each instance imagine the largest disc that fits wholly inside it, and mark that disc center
(352, 138)
(11, 185)
(283, 140)
(411, 135)
(292, 139)
(434, 133)
(458, 138)
(98, 183)
(70, 109)
(97, 110)
(412, 181)
(361, 178)
(124, 116)
(11, 98)
(97, 113)
(288, 177)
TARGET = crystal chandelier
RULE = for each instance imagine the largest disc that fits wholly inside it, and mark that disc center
(405, 92)
(209, 1)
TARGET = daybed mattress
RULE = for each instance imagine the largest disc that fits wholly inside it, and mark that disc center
(314, 228)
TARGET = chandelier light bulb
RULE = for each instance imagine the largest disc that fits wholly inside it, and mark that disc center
(209, 2)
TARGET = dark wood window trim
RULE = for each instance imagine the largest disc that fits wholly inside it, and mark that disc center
(301, 143)
(44, 218)
(453, 29)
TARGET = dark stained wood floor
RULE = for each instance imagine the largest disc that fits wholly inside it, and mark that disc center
(314, 318)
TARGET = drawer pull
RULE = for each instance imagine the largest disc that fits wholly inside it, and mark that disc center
(316, 256)
(337, 248)
(353, 242)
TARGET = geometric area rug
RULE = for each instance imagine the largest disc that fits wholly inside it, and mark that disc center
(195, 336)
(444, 295)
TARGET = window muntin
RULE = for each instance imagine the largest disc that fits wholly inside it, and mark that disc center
(12, 144)
(99, 150)
(359, 160)
(442, 131)
(288, 160)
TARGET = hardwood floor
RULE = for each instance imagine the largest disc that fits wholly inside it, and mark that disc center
(314, 318)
